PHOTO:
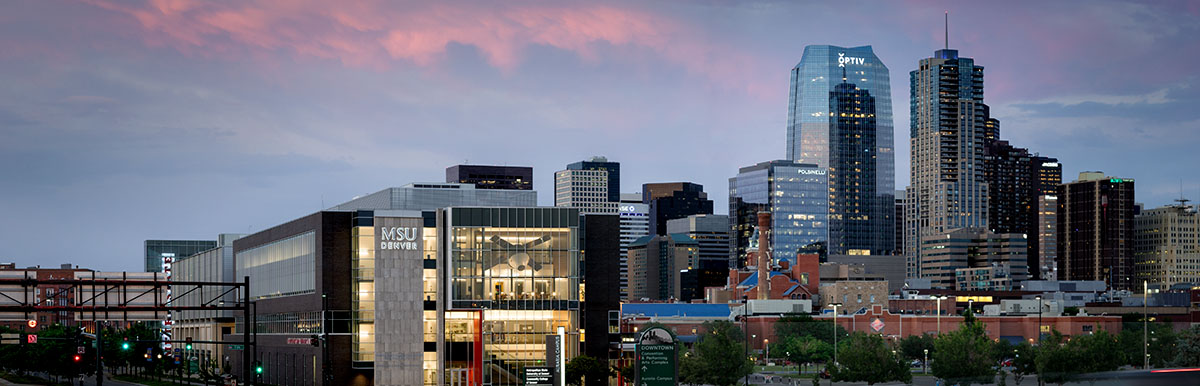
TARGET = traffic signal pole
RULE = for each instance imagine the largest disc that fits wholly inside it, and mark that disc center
(99, 347)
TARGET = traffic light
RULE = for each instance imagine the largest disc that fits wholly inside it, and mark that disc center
(188, 344)
(258, 368)
(125, 344)
(315, 341)
(77, 358)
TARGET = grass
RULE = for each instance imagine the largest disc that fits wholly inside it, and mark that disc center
(27, 379)
(152, 381)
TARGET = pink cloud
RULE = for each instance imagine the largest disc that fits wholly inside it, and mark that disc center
(380, 33)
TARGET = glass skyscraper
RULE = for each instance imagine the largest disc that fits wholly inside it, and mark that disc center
(796, 195)
(950, 128)
(840, 118)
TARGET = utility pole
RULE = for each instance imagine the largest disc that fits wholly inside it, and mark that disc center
(99, 345)
(1145, 325)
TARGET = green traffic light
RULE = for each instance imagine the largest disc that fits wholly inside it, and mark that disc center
(125, 346)
(189, 347)
(258, 369)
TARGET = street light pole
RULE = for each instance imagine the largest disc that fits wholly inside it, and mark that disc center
(939, 314)
(1039, 327)
(1145, 325)
(746, 331)
(835, 315)
(925, 364)
(767, 350)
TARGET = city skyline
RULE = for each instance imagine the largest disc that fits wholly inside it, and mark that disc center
(125, 122)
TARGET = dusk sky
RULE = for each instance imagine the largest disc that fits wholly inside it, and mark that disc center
(122, 121)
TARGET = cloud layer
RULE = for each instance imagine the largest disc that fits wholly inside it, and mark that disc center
(129, 120)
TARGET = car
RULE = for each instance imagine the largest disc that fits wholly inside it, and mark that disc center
(825, 374)
(916, 363)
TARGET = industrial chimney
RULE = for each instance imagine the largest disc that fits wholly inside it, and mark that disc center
(764, 255)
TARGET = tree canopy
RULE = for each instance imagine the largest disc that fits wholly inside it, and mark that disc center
(965, 356)
(718, 358)
(867, 358)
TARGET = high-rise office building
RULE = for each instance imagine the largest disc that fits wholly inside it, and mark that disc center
(635, 223)
(944, 255)
(1096, 230)
(603, 164)
(840, 118)
(1010, 178)
(586, 190)
(491, 176)
(1167, 245)
(1046, 261)
(655, 264)
(1016, 179)
(949, 128)
(901, 214)
(711, 231)
(672, 200)
(156, 250)
(797, 197)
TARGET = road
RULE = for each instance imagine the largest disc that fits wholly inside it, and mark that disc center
(1131, 377)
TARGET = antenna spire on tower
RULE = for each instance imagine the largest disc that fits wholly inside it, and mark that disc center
(947, 30)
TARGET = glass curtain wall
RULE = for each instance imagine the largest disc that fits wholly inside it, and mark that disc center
(514, 278)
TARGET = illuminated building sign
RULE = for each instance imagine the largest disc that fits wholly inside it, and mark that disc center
(400, 238)
(817, 172)
(843, 60)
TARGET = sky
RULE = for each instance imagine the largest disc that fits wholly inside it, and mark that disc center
(122, 121)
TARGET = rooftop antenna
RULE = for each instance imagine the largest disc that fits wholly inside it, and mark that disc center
(947, 30)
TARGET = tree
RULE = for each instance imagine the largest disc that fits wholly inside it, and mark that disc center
(1056, 363)
(804, 325)
(914, 346)
(1100, 351)
(1187, 348)
(867, 358)
(804, 350)
(1024, 361)
(965, 356)
(1162, 342)
(718, 358)
(585, 370)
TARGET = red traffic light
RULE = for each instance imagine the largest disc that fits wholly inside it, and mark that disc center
(77, 358)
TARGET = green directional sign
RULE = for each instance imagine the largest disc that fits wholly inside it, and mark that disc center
(657, 354)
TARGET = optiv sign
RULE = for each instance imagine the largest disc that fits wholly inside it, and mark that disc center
(843, 60)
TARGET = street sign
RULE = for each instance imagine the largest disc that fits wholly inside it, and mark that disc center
(539, 376)
(31, 338)
(237, 347)
(554, 349)
(79, 350)
(657, 354)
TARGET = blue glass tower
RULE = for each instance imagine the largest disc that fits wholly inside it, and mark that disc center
(794, 193)
(840, 118)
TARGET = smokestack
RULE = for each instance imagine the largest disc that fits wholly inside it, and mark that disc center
(764, 255)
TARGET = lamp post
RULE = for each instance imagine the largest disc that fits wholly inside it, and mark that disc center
(767, 350)
(925, 364)
(939, 313)
(746, 331)
(835, 315)
(1039, 327)
(971, 306)
(1145, 325)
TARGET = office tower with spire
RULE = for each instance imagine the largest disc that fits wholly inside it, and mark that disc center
(949, 127)
(840, 118)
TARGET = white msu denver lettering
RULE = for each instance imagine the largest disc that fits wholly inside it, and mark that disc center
(398, 238)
